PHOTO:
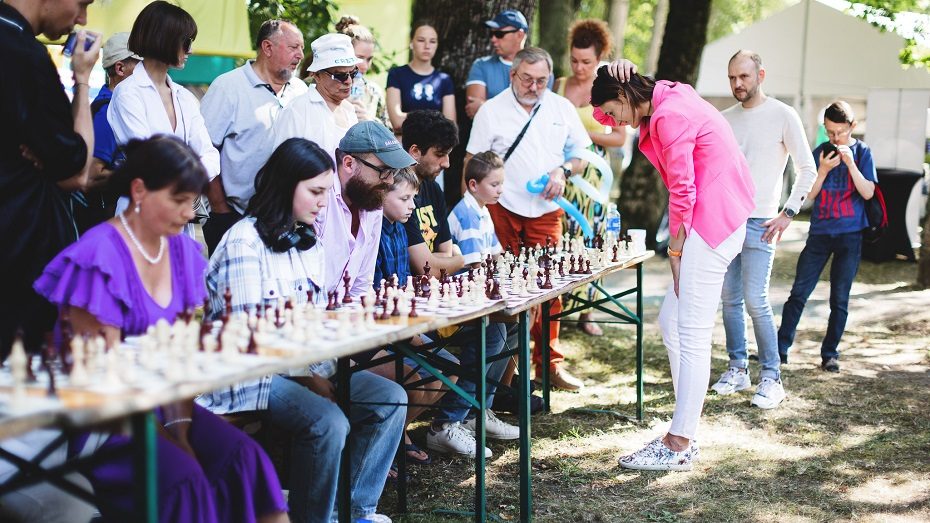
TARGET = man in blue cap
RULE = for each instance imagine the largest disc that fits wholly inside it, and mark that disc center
(490, 74)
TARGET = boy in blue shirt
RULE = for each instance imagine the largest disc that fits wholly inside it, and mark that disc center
(845, 180)
(398, 207)
(470, 221)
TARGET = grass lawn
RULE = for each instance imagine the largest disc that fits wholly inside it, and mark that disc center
(853, 446)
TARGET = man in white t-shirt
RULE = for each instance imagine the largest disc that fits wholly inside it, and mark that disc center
(767, 131)
(551, 126)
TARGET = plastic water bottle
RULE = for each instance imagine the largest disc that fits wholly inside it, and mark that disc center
(613, 221)
(358, 87)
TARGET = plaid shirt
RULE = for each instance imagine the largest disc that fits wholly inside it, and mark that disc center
(258, 276)
(393, 257)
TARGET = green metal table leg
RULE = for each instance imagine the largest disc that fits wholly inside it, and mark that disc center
(546, 354)
(639, 341)
(145, 456)
(523, 367)
(344, 492)
(480, 435)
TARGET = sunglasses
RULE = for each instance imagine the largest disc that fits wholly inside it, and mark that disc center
(343, 77)
(384, 172)
(497, 33)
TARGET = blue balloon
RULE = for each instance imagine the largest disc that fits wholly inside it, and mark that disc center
(539, 185)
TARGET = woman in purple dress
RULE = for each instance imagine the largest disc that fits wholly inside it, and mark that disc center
(123, 276)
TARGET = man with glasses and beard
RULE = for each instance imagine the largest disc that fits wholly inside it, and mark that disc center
(323, 114)
(239, 110)
(349, 227)
(530, 127)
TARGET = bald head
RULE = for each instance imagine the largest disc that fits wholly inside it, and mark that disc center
(746, 75)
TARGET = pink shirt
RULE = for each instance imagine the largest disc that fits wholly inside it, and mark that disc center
(345, 252)
(693, 148)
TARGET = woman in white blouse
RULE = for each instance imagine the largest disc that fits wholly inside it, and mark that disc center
(149, 102)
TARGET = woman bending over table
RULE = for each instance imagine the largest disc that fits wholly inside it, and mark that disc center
(710, 198)
(123, 276)
(272, 254)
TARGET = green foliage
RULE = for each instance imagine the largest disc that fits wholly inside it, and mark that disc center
(886, 14)
(731, 16)
(313, 17)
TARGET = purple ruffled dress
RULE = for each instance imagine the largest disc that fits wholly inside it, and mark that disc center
(232, 478)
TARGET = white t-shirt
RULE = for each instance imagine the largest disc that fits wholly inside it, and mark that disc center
(309, 117)
(555, 129)
(767, 134)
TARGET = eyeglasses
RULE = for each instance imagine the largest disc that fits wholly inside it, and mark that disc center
(343, 77)
(837, 134)
(497, 33)
(188, 45)
(384, 172)
(528, 81)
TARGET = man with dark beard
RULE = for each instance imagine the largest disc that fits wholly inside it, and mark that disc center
(349, 227)
(239, 110)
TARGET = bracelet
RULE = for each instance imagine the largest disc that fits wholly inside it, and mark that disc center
(85, 84)
(176, 421)
(675, 254)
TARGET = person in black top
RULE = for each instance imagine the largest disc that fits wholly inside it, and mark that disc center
(429, 137)
(44, 144)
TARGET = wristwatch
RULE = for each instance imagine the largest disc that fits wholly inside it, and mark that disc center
(791, 213)
(567, 172)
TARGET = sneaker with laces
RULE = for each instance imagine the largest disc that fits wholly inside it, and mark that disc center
(494, 428)
(453, 438)
(656, 456)
(769, 394)
(374, 518)
(830, 365)
(733, 380)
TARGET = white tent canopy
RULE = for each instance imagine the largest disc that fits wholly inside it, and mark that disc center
(812, 50)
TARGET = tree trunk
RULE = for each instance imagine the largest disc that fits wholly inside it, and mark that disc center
(643, 197)
(462, 38)
(618, 13)
(923, 262)
(554, 18)
(659, 17)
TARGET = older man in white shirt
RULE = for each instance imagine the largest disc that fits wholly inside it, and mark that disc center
(530, 127)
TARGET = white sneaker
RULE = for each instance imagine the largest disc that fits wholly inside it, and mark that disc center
(733, 380)
(494, 428)
(769, 394)
(453, 439)
(656, 456)
(374, 518)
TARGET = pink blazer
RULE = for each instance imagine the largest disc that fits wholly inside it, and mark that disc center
(693, 148)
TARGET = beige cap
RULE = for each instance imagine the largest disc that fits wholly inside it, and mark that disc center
(116, 49)
(332, 50)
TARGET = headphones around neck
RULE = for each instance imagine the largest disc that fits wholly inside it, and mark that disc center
(301, 236)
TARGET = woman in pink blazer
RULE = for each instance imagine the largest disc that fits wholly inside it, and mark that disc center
(710, 199)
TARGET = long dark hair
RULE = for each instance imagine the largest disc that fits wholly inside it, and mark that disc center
(635, 91)
(161, 161)
(294, 161)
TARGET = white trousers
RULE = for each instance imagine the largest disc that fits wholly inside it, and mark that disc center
(687, 323)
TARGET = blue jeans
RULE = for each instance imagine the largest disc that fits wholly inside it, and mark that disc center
(319, 432)
(455, 408)
(846, 250)
(747, 281)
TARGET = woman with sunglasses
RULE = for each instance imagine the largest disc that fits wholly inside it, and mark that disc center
(710, 198)
(367, 97)
(122, 277)
(272, 255)
(418, 85)
(149, 102)
(323, 114)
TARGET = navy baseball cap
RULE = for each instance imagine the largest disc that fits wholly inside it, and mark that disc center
(508, 18)
(372, 137)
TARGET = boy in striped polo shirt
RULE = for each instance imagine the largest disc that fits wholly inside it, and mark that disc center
(470, 222)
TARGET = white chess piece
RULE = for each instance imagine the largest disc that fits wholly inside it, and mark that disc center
(78, 376)
(18, 362)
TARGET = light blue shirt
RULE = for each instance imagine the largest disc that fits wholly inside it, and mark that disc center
(493, 73)
(472, 230)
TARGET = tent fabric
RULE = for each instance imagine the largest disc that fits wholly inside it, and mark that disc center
(840, 56)
(222, 25)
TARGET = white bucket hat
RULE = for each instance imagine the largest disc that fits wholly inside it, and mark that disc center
(332, 50)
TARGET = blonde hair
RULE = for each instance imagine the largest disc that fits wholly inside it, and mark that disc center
(352, 27)
(481, 165)
(405, 175)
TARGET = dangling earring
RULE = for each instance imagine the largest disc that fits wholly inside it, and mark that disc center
(138, 207)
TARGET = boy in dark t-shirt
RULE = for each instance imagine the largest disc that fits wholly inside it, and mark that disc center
(845, 180)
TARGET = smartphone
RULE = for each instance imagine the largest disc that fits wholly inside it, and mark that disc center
(829, 150)
(89, 40)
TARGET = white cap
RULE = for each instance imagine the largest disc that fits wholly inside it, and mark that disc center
(332, 50)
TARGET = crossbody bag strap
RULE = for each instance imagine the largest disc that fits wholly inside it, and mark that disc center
(522, 132)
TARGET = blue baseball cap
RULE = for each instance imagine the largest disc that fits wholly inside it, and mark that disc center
(372, 137)
(508, 18)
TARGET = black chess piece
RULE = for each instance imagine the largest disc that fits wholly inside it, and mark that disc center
(614, 259)
(426, 269)
(331, 301)
(561, 267)
(495, 290)
(48, 356)
(444, 276)
(471, 274)
(587, 264)
(384, 311)
(413, 308)
(571, 264)
(346, 283)
(227, 303)
(547, 284)
(396, 311)
(253, 345)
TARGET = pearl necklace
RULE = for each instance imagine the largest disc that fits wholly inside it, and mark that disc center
(161, 242)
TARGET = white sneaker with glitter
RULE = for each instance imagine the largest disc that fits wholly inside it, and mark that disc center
(656, 456)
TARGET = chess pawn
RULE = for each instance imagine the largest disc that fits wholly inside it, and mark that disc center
(78, 376)
(396, 311)
(112, 374)
(18, 362)
(413, 308)
(547, 284)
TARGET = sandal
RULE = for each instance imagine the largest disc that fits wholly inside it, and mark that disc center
(413, 448)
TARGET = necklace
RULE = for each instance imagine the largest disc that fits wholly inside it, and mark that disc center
(161, 242)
